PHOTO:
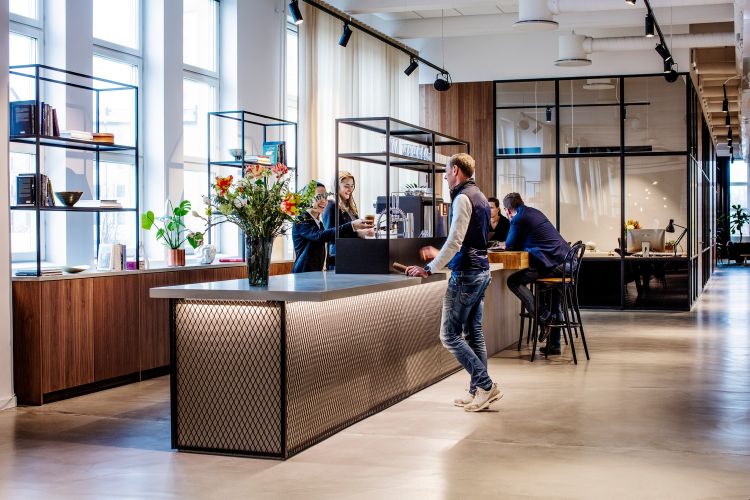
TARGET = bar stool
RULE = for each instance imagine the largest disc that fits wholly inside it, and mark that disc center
(566, 286)
(525, 315)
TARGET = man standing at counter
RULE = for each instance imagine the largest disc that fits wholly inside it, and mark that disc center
(465, 254)
(531, 231)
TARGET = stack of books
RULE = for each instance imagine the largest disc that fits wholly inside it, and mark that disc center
(99, 204)
(47, 271)
(24, 118)
(80, 135)
(258, 159)
(26, 190)
(275, 151)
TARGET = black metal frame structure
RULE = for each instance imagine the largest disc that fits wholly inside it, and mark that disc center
(39, 73)
(690, 153)
(248, 118)
(369, 256)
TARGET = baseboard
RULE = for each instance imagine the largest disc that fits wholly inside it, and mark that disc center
(8, 403)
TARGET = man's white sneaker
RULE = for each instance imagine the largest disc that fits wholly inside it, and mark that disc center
(483, 399)
(464, 400)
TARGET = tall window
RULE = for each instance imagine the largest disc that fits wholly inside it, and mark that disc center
(200, 95)
(117, 57)
(739, 188)
(292, 71)
(25, 43)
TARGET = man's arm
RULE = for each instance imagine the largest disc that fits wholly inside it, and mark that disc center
(459, 225)
(515, 239)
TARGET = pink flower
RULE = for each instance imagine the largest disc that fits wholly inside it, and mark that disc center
(279, 170)
(257, 171)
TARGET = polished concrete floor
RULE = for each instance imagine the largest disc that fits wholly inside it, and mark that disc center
(661, 411)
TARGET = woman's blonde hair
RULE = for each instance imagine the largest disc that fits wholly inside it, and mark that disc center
(350, 205)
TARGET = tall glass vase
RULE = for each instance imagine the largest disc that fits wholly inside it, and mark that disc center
(258, 256)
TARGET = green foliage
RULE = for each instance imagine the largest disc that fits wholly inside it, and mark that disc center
(738, 218)
(171, 230)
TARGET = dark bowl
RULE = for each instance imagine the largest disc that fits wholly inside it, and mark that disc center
(68, 198)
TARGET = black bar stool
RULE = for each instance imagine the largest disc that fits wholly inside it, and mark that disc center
(566, 286)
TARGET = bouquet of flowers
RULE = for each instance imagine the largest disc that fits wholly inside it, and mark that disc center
(261, 204)
(632, 224)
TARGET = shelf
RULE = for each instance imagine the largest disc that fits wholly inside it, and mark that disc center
(71, 209)
(67, 143)
(232, 163)
(398, 128)
(397, 160)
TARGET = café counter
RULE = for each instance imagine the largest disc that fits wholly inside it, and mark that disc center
(270, 371)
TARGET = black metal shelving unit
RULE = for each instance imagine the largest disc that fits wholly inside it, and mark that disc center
(246, 121)
(47, 75)
(359, 256)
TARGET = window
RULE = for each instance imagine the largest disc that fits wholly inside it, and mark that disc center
(292, 73)
(117, 22)
(739, 188)
(25, 8)
(199, 34)
(200, 96)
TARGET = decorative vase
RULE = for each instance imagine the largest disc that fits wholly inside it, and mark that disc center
(207, 253)
(258, 255)
(175, 257)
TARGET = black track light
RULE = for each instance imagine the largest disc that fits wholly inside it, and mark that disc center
(345, 35)
(663, 52)
(294, 12)
(413, 65)
(725, 105)
(727, 120)
(548, 114)
(649, 25)
(729, 142)
(442, 82)
(631, 2)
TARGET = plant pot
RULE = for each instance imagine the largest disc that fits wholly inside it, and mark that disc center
(258, 257)
(175, 257)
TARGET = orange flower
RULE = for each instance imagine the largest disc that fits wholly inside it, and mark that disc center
(290, 205)
(223, 184)
(279, 170)
(257, 171)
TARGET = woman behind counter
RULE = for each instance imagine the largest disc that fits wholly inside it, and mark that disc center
(309, 236)
(499, 225)
(347, 213)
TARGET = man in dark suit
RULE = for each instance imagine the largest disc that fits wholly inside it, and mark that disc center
(310, 238)
(531, 231)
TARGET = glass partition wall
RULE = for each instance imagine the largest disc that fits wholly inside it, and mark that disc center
(608, 161)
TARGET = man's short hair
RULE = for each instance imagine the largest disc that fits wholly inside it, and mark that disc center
(464, 162)
(512, 201)
(494, 201)
(319, 184)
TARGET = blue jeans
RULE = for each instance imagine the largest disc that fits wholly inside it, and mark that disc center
(461, 330)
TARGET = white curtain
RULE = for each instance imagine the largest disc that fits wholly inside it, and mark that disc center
(364, 79)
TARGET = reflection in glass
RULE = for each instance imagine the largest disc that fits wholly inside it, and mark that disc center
(525, 118)
(656, 191)
(658, 122)
(532, 178)
(589, 118)
(590, 201)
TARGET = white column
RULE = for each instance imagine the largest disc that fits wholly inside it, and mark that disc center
(162, 169)
(7, 396)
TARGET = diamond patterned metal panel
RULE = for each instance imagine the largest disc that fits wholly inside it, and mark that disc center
(228, 376)
(353, 357)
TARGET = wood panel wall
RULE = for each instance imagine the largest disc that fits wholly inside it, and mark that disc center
(465, 111)
(74, 332)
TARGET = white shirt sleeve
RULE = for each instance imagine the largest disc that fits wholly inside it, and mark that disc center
(459, 225)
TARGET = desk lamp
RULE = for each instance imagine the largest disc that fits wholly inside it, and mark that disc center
(670, 229)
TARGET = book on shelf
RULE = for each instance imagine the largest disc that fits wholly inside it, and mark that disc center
(111, 257)
(45, 271)
(23, 119)
(98, 204)
(275, 151)
(103, 137)
(80, 135)
(258, 159)
(231, 259)
(26, 190)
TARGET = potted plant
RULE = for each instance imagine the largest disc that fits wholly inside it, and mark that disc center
(172, 232)
(260, 204)
(738, 218)
(669, 245)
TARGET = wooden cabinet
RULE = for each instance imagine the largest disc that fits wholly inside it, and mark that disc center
(77, 335)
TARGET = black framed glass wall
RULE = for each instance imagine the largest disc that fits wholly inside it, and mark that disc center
(594, 153)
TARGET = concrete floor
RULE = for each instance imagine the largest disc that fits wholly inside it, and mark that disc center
(661, 411)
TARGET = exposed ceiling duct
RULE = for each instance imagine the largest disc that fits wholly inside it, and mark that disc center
(689, 41)
(534, 15)
(570, 51)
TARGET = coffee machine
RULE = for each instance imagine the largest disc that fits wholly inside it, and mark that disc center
(419, 213)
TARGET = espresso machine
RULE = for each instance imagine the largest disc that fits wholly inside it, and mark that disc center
(417, 219)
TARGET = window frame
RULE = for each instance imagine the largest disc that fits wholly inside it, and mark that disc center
(746, 184)
(123, 49)
(37, 23)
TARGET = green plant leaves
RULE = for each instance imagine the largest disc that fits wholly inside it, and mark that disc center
(147, 220)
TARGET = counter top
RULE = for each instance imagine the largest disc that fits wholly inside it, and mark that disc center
(312, 287)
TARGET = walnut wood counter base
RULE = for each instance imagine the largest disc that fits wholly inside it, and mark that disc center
(270, 378)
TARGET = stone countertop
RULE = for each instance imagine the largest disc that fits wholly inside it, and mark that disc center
(312, 287)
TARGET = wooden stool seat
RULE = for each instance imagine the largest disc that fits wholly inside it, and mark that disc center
(554, 280)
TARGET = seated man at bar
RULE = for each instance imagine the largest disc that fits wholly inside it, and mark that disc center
(310, 238)
(531, 231)
(465, 254)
